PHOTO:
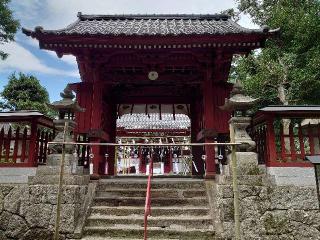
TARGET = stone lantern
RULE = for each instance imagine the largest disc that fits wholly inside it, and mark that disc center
(73, 174)
(240, 104)
(66, 108)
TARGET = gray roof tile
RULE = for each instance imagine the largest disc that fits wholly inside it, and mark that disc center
(149, 25)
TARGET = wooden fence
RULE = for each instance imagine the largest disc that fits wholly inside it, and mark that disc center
(285, 138)
(16, 144)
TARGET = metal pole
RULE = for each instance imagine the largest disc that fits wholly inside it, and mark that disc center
(59, 194)
(235, 184)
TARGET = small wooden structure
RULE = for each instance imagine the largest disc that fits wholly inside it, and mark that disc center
(282, 136)
(23, 143)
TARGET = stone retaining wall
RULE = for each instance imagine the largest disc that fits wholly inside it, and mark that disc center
(28, 211)
(268, 211)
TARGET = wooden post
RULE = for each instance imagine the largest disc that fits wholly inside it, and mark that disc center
(293, 154)
(7, 145)
(2, 141)
(32, 160)
(301, 142)
(24, 143)
(196, 119)
(96, 124)
(235, 184)
(283, 144)
(16, 145)
(271, 142)
(59, 194)
(209, 122)
(311, 139)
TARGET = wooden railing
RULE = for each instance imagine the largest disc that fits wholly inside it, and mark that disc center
(19, 147)
(285, 140)
(259, 135)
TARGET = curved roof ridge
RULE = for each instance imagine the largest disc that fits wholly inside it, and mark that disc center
(112, 25)
(153, 16)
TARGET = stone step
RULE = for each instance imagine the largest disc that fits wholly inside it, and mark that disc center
(115, 238)
(140, 201)
(196, 222)
(107, 184)
(156, 211)
(133, 231)
(155, 193)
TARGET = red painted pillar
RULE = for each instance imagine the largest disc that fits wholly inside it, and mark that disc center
(271, 142)
(111, 120)
(209, 123)
(32, 159)
(96, 124)
(84, 97)
(196, 118)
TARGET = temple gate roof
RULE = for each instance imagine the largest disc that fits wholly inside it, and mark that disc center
(150, 25)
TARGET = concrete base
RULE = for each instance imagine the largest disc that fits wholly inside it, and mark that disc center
(16, 174)
(297, 176)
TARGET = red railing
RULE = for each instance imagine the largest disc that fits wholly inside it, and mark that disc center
(147, 208)
(19, 148)
(285, 138)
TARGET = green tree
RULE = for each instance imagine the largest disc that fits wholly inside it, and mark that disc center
(286, 71)
(24, 92)
(8, 25)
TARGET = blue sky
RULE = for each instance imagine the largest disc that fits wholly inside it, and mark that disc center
(55, 73)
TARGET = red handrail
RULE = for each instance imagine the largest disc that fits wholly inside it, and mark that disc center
(147, 208)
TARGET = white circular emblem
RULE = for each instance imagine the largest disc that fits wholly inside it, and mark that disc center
(153, 75)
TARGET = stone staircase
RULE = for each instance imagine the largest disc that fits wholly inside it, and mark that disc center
(180, 210)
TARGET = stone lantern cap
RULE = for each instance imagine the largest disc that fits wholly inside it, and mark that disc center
(238, 101)
(67, 104)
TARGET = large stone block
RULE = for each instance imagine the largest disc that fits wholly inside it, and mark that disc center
(252, 228)
(13, 225)
(54, 179)
(55, 170)
(247, 164)
(13, 200)
(37, 234)
(297, 176)
(38, 215)
(1, 202)
(3, 236)
(310, 218)
(290, 197)
(55, 159)
(67, 218)
(252, 207)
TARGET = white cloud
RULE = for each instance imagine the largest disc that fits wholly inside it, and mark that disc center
(30, 41)
(69, 59)
(21, 59)
(54, 14)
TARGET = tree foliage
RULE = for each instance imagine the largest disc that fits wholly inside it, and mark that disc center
(8, 25)
(24, 92)
(286, 71)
